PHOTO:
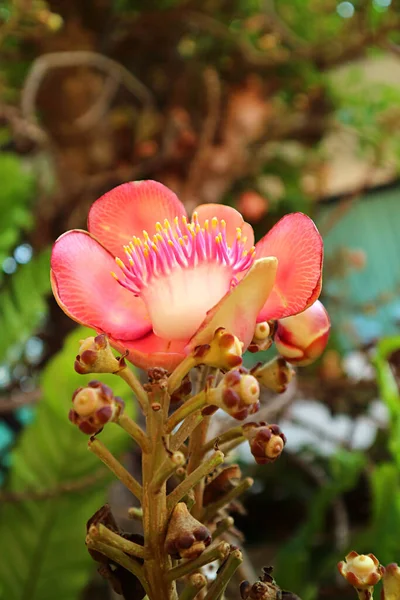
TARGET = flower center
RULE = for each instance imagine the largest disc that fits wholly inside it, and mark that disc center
(182, 272)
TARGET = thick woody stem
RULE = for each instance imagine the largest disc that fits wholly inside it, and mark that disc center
(190, 406)
(120, 558)
(100, 533)
(115, 466)
(196, 582)
(135, 432)
(225, 574)
(130, 378)
(218, 552)
(213, 508)
(193, 479)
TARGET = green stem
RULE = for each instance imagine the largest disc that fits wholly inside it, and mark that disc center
(177, 376)
(222, 527)
(115, 466)
(218, 552)
(227, 436)
(135, 432)
(130, 378)
(185, 430)
(101, 533)
(196, 582)
(196, 442)
(211, 510)
(166, 469)
(120, 558)
(225, 574)
(135, 513)
(190, 406)
(193, 479)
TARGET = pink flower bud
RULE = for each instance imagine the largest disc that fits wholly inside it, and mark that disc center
(301, 339)
(238, 394)
(94, 406)
(266, 441)
(362, 571)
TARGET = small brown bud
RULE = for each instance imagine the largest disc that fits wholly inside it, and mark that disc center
(391, 582)
(223, 352)
(238, 394)
(221, 484)
(95, 356)
(274, 375)
(186, 537)
(94, 406)
(266, 441)
(362, 571)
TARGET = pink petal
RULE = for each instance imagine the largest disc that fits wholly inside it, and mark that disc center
(152, 351)
(233, 219)
(238, 309)
(298, 246)
(129, 209)
(85, 289)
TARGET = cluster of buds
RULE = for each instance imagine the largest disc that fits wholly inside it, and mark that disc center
(95, 356)
(263, 336)
(362, 571)
(274, 375)
(186, 537)
(223, 352)
(237, 394)
(265, 589)
(301, 339)
(266, 441)
(94, 406)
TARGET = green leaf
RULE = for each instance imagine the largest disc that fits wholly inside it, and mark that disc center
(23, 305)
(42, 549)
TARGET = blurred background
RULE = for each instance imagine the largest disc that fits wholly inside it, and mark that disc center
(270, 107)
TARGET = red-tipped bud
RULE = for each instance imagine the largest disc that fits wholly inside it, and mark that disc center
(266, 441)
(238, 394)
(362, 571)
(95, 356)
(274, 375)
(391, 582)
(301, 339)
(94, 406)
(224, 351)
(186, 537)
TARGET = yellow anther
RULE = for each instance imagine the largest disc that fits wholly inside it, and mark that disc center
(131, 262)
(195, 217)
(198, 228)
(176, 221)
(154, 247)
(137, 242)
(171, 243)
(146, 252)
(244, 240)
(206, 224)
(119, 262)
(166, 224)
(223, 223)
(146, 235)
(159, 237)
(181, 241)
(252, 250)
(114, 275)
(184, 220)
(159, 227)
(214, 222)
(217, 239)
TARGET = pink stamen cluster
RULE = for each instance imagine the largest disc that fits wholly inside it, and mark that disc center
(181, 246)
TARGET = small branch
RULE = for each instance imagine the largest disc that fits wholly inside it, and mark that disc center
(185, 430)
(115, 466)
(193, 479)
(166, 469)
(135, 513)
(196, 582)
(231, 434)
(100, 533)
(119, 557)
(189, 407)
(130, 378)
(222, 527)
(134, 431)
(177, 376)
(211, 510)
(218, 552)
(225, 574)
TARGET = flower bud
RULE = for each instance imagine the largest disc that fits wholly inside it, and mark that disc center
(266, 441)
(221, 483)
(262, 338)
(362, 571)
(238, 394)
(186, 537)
(94, 406)
(224, 351)
(301, 339)
(274, 375)
(391, 582)
(95, 356)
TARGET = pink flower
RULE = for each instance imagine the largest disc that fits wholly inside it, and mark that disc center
(175, 282)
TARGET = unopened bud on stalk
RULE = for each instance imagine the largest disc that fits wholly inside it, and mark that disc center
(238, 394)
(266, 441)
(391, 582)
(186, 537)
(274, 375)
(95, 356)
(301, 339)
(221, 483)
(223, 352)
(262, 339)
(362, 571)
(94, 406)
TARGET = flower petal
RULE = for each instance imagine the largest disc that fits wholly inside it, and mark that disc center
(86, 291)
(238, 309)
(152, 351)
(298, 246)
(233, 220)
(129, 209)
